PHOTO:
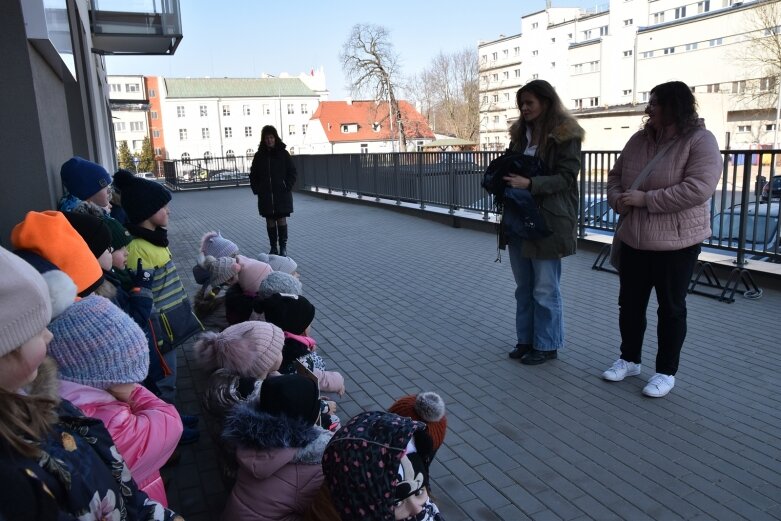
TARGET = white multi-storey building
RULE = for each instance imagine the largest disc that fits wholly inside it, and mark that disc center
(223, 117)
(603, 64)
(129, 110)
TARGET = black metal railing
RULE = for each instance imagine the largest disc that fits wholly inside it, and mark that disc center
(745, 221)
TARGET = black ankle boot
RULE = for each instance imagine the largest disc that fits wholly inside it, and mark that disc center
(272, 239)
(282, 239)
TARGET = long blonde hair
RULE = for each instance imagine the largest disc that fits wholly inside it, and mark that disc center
(26, 419)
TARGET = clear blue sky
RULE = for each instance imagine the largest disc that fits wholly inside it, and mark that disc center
(245, 38)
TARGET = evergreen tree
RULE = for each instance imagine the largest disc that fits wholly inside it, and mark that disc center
(147, 158)
(125, 158)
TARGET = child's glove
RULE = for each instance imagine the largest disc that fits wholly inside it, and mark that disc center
(142, 278)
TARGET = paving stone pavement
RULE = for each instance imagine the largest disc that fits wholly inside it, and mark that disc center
(405, 304)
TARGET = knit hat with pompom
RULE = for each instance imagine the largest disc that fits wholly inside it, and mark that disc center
(250, 349)
(427, 407)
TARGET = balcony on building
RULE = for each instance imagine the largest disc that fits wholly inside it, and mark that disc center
(141, 27)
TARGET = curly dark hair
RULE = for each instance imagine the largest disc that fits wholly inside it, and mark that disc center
(677, 100)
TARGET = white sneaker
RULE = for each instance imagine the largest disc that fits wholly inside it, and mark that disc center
(620, 370)
(659, 385)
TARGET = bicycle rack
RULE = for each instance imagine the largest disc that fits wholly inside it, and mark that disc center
(602, 258)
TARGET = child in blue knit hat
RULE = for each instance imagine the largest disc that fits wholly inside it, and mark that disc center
(84, 180)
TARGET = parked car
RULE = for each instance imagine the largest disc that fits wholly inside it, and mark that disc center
(760, 226)
(772, 189)
(597, 213)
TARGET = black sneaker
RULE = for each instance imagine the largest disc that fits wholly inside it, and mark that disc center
(536, 357)
(520, 350)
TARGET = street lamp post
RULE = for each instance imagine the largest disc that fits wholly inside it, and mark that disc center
(279, 97)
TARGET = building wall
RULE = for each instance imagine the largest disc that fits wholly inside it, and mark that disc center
(156, 127)
(612, 59)
(47, 115)
(207, 133)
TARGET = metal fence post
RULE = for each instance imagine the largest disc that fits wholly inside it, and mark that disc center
(374, 169)
(452, 182)
(582, 217)
(744, 201)
(420, 181)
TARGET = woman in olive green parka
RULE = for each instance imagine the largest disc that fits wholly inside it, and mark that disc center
(546, 130)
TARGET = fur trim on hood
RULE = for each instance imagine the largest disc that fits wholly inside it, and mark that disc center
(565, 131)
(106, 290)
(46, 383)
(259, 430)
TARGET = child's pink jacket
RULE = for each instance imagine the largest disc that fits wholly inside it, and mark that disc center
(146, 430)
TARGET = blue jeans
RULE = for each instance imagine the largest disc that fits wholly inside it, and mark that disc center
(539, 319)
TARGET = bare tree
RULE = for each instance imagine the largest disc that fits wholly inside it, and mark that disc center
(371, 65)
(448, 90)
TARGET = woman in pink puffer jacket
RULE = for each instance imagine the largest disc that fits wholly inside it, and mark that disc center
(663, 222)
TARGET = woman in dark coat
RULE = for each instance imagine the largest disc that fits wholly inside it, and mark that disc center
(272, 177)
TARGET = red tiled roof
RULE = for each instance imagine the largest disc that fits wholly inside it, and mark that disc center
(365, 114)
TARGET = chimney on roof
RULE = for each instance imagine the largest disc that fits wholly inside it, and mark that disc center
(348, 100)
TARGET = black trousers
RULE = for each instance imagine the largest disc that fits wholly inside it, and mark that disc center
(669, 273)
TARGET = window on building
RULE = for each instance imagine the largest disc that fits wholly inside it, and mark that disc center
(593, 102)
(249, 153)
(494, 56)
(766, 84)
(155, 133)
(626, 92)
(119, 126)
(517, 73)
(304, 108)
(553, 40)
(703, 7)
(247, 131)
(516, 51)
(207, 156)
(506, 96)
(230, 155)
(152, 93)
(587, 34)
(496, 119)
(713, 87)
(738, 87)
(535, 76)
(680, 12)
(182, 134)
(485, 99)
(569, 36)
(364, 148)
(669, 50)
(266, 109)
(153, 114)
(226, 110)
(553, 65)
(773, 30)
(291, 130)
(644, 96)
(132, 87)
(115, 87)
(627, 53)
(770, 127)
(484, 58)
(593, 66)
(691, 46)
(245, 110)
(180, 111)
(290, 108)
(158, 152)
(578, 103)
(228, 131)
(603, 30)
(535, 25)
(185, 157)
(577, 68)
(304, 128)
(658, 17)
(137, 126)
(628, 21)
(505, 53)
(204, 111)
(495, 76)
(648, 54)
(744, 128)
(204, 133)
(716, 41)
(506, 75)
(495, 98)
(535, 53)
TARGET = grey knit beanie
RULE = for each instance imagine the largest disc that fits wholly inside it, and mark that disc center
(279, 282)
(97, 344)
(25, 308)
(279, 262)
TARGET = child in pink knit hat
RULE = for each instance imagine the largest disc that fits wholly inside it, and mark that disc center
(239, 297)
